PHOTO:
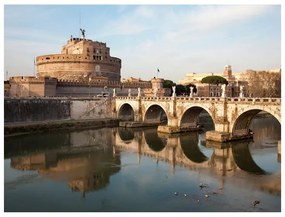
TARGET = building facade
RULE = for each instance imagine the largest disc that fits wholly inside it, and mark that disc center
(233, 88)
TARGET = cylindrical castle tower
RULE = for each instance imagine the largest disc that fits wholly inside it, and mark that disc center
(80, 59)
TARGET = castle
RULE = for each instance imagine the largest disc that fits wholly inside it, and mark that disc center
(84, 68)
(80, 59)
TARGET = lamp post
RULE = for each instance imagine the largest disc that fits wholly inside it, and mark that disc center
(89, 85)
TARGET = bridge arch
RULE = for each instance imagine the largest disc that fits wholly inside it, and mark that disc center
(126, 112)
(155, 114)
(190, 117)
(242, 122)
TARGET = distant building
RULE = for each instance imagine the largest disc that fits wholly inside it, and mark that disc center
(203, 90)
(157, 89)
(80, 59)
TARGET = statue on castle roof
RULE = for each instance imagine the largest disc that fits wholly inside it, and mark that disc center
(82, 33)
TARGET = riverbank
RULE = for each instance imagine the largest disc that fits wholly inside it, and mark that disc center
(17, 128)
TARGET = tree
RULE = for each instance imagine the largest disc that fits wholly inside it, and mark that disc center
(214, 79)
(168, 84)
(263, 83)
(188, 88)
(180, 90)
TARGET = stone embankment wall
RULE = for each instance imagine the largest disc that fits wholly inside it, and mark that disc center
(53, 108)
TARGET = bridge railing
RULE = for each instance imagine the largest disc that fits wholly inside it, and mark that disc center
(205, 99)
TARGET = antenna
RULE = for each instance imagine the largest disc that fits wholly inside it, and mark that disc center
(79, 23)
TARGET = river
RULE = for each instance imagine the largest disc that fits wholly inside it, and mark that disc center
(118, 169)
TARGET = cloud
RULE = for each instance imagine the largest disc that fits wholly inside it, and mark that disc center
(211, 17)
(131, 22)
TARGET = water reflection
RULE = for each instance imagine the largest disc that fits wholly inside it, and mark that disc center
(85, 164)
(243, 158)
(189, 144)
(86, 160)
(154, 142)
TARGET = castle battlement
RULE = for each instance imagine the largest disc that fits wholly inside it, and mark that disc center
(67, 58)
(103, 83)
(32, 79)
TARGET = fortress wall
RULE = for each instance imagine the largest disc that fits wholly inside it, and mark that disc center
(94, 91)
(49, 109)
(91, 109)
(35, 109)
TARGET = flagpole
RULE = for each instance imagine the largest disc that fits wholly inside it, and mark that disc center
(157, 72)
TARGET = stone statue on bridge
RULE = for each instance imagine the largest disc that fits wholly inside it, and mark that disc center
(129, 92)
(173, 91)
(191, 91)
(155, 92)
(139, 92)
(223, 91)
(241, 91)
(114, 92)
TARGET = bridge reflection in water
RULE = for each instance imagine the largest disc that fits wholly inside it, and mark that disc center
(187, 150)
(86, 160)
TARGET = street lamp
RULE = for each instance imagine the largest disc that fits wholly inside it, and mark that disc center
(89, 85)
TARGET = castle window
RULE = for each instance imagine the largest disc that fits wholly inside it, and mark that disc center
(47, 58)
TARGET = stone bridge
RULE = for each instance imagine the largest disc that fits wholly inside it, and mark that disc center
(231, 116)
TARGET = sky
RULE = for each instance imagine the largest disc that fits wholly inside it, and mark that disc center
(176, 38)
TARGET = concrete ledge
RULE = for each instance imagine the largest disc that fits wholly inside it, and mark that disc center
(217, 136)
(168, 129)
(172, 129)
(52, 125)
(134, 124)
(225, 137)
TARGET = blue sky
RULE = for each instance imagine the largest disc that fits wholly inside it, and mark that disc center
(177, 39)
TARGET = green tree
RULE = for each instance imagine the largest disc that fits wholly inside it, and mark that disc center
(180, 89)
(188, 88)
(168, 84)
(214, 80)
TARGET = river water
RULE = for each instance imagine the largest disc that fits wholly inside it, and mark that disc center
(117, 169)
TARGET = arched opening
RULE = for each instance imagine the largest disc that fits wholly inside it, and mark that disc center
(243, 124)
(155, 114)
(264, 148)
(154, 142)
(126, 113)
(194, 148)
(197, 117)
